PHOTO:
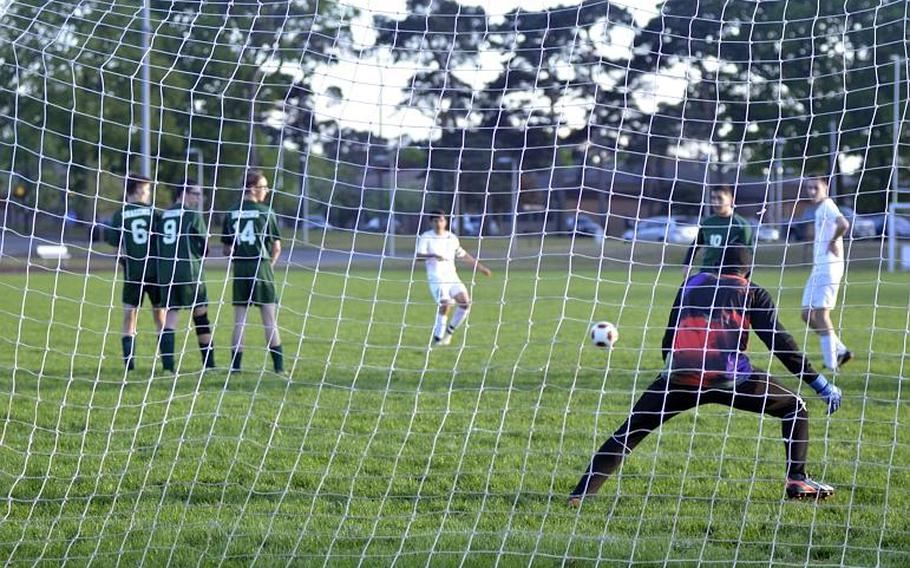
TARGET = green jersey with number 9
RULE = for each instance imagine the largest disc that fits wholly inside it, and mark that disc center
(181, 239)
(130, 231)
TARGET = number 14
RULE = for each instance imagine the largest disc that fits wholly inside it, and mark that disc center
(247, 235)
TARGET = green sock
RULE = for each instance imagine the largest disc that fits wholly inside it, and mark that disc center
(166, 347)
(127, 343)
(277, 358)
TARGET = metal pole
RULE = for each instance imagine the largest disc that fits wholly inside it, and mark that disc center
(892, 236)
(514, 201)
(146, 140)
(778, 206)
(832, 143)
(304, 200)
(897, 128)
(895, 186)
(393, 179)
(200, 174)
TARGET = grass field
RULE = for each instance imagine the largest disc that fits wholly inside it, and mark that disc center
(375, 452)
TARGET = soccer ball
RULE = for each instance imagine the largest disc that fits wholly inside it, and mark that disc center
(604, 334)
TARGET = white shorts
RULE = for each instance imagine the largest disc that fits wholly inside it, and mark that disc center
(822, 287)
(444, 292)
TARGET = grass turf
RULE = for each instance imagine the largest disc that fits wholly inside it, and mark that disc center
(377, 452)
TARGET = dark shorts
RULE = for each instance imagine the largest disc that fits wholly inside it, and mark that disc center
(133, 292)
(185, 295)
(254, 283)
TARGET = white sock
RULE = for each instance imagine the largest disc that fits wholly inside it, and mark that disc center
(440, 326)
(841, 348)
(457, 318)
(829, 350)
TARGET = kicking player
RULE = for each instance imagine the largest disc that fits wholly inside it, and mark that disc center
(820, 294)
(705, 349)
(717, 231)
(181, 238)
(439, 248)
(130, 232)
(251, 240)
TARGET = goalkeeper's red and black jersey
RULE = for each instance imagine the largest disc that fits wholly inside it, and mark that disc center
(707, 338)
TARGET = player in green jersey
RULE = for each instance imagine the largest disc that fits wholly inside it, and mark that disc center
(251, 240)
(130, 231)
(718, 231)
(181, 238)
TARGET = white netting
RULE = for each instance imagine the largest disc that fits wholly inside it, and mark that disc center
(572, 146)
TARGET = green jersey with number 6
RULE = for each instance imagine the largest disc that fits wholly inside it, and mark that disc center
(181, 240)
(131, 232)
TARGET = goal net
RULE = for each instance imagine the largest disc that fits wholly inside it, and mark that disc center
(572, 146)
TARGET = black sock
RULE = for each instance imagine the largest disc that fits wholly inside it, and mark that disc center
(127, 342)
(208, 355)
(166, 348)
(277, 358)
(236, 360)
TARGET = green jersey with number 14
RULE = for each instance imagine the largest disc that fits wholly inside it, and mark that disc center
(250, 228)
(131, 232)
(181, 239)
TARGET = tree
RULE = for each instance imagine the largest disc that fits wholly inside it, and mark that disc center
(783, 71)
(70, 83)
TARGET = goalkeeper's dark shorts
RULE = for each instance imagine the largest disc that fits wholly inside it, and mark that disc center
(134, 292)
(253, 284)
(185, 295)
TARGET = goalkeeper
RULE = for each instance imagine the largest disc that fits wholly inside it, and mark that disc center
(704, 348)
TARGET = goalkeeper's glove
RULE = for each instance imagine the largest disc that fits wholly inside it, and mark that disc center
(827, 391)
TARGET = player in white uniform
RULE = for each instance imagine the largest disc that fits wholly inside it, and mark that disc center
(439, 248)
(821, 290)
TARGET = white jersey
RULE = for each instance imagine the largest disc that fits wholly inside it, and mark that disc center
(826, 214)
(446, 246)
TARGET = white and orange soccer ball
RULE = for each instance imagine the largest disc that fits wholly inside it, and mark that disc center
(604, 334)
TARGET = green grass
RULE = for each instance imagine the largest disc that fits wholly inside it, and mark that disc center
(377, 452)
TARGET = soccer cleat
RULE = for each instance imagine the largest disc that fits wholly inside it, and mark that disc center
(802, 487)
(843, 358)
(441, 341)
(574, 501)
